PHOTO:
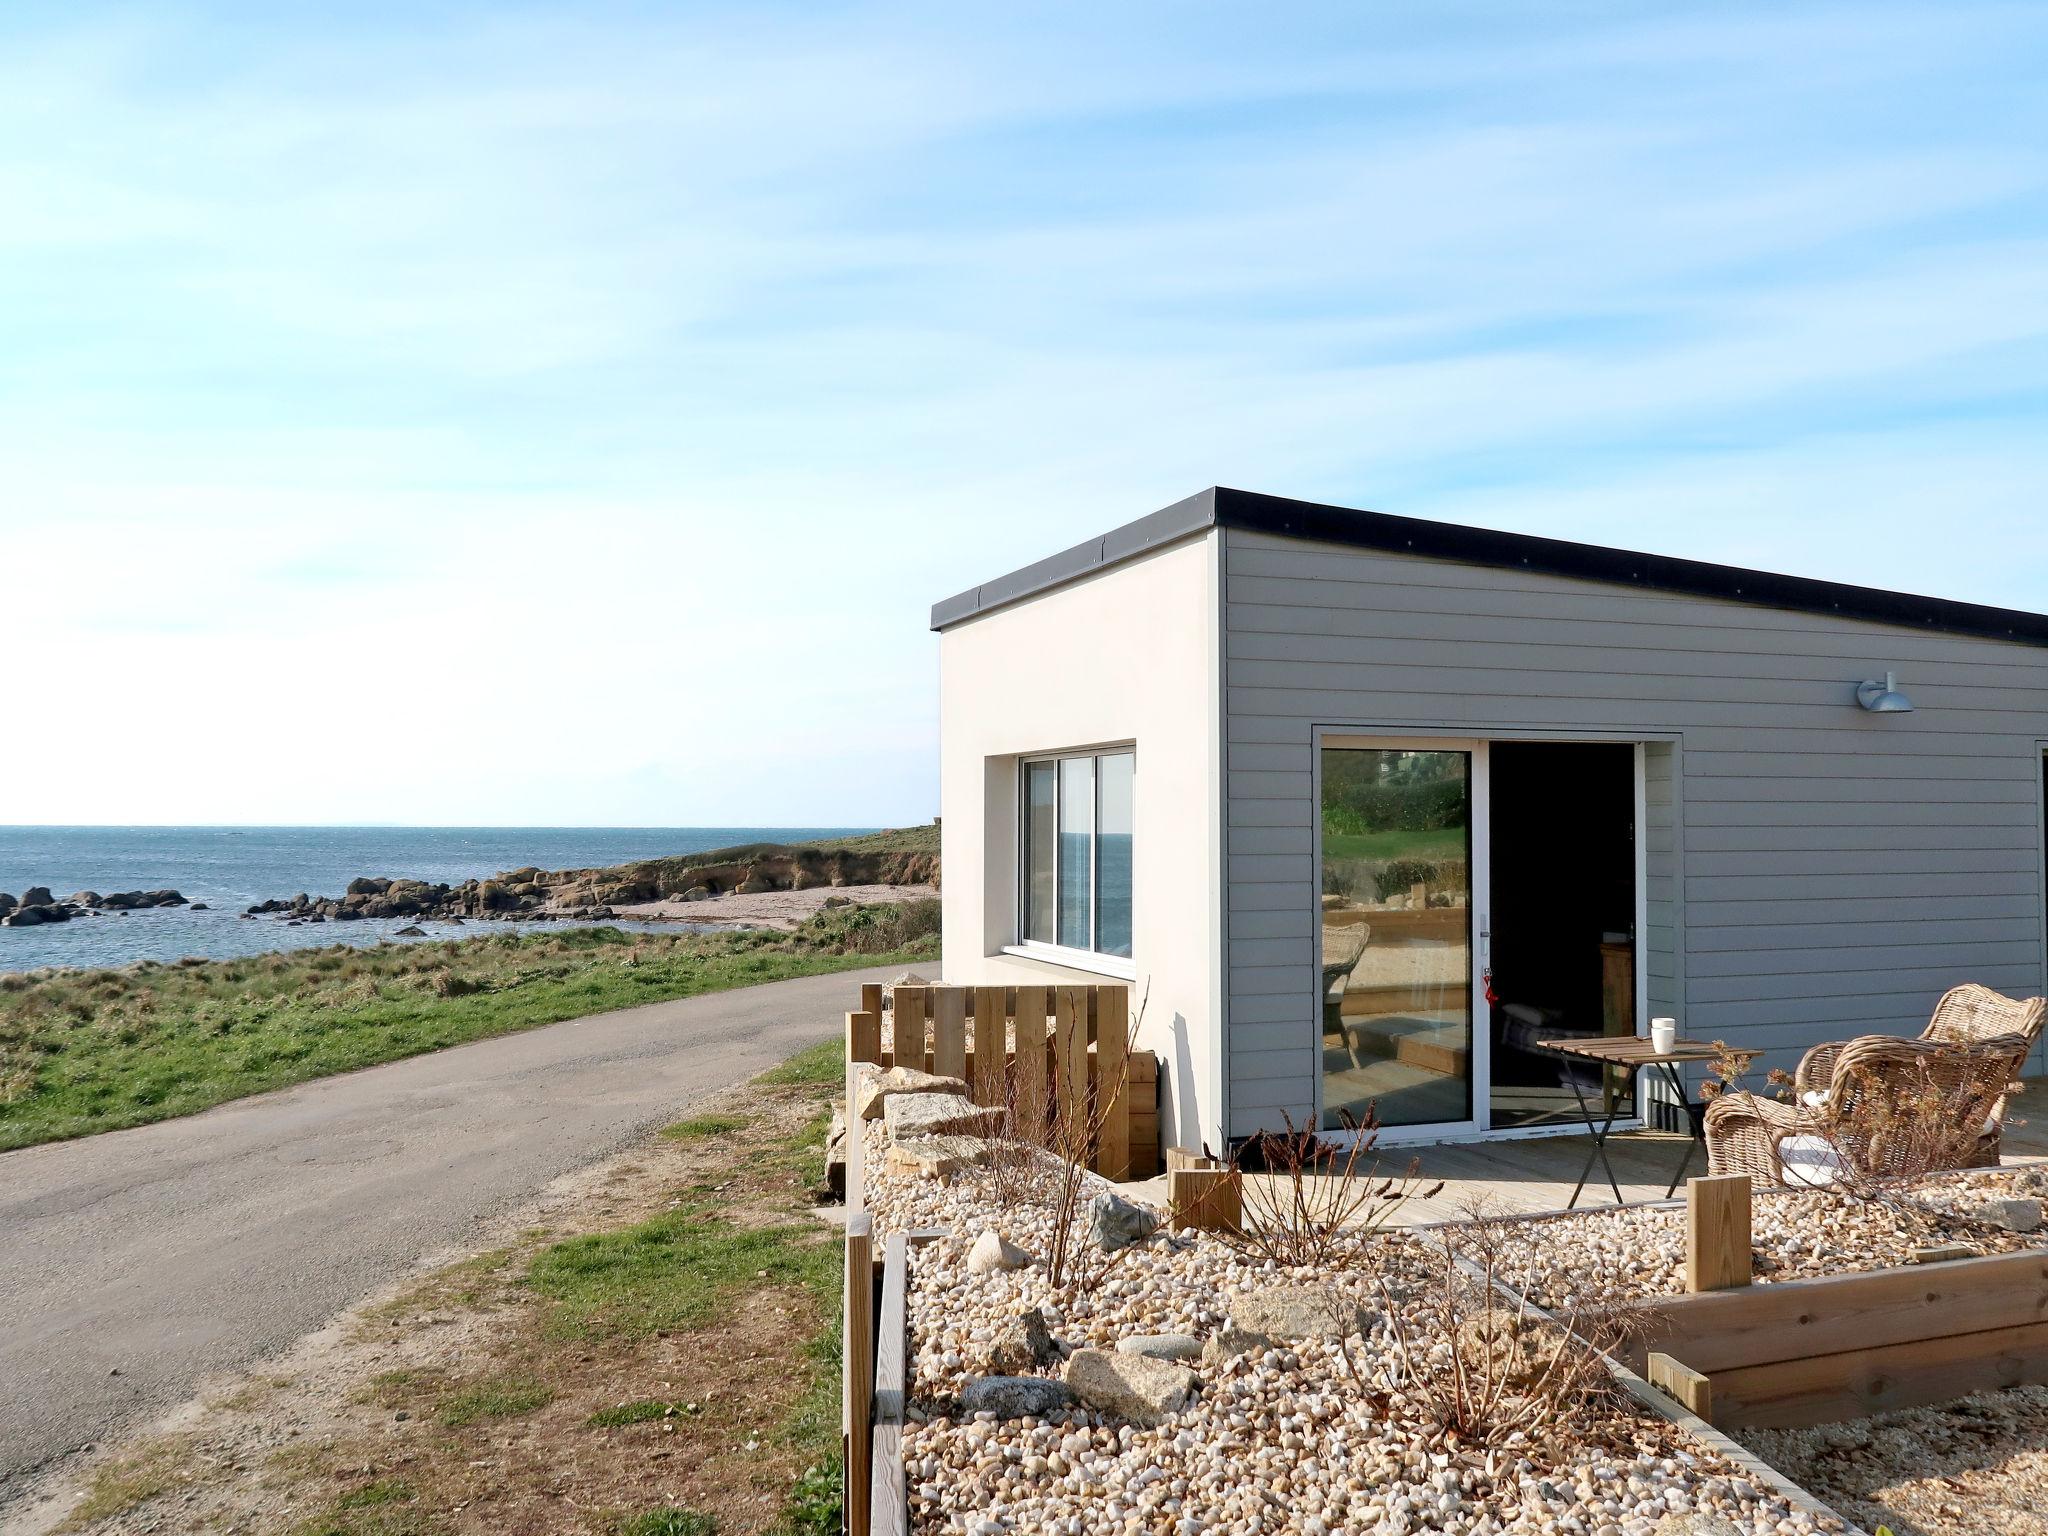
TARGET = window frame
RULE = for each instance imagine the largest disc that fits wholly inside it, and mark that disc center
(1123, 967)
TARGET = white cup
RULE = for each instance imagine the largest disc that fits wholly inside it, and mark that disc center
(1663, 1035)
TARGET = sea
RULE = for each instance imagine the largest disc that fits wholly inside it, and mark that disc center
(231, 868)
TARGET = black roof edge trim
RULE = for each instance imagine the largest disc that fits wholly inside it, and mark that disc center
(1253, 512)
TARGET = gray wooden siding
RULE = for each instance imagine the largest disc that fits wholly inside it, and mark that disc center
(1814, 871)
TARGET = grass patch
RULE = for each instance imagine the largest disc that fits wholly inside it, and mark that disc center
(672, 1273)
(821, 1066)
(386, 1490)
(668, 1522)
(698, 1127)
(121, 1485)
(87, 1051)
(498, 1397)
(644, 1412)
(1423, 843)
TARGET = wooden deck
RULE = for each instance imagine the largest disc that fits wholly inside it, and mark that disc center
(1508, 1178)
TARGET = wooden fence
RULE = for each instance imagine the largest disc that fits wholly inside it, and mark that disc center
(1034, 1048)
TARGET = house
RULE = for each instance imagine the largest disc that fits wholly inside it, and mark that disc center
(1364, 806)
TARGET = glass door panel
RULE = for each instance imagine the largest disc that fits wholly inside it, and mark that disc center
(1397, 935)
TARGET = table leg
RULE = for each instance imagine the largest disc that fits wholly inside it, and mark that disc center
(1696, 1123)
(1599, 1133)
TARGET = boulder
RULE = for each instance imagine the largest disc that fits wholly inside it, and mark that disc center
(1161, 1346)
(409, 931)
(7, 902)
(367, 886)
(1227, 1344)
(2018, 1214)
(23, 917)
(1023, 1343)
(875, 1087)
(697, 893)
(936, 1157)
(909, 1115)
(84, 898)
(1116, 1223)
(200, 906)
(1015, 1397)
(1133, 1388)
(992, 1251)
(36, 896)
(52, 912)
(1285, 1313)
(909, 979)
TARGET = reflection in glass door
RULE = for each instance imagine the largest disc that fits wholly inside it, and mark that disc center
(1397, 934)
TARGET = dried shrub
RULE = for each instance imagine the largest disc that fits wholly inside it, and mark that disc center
(1318, 1203)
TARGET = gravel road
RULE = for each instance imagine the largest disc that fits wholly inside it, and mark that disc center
(137, 1263)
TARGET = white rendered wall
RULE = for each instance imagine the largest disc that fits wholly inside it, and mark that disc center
(1129, 655)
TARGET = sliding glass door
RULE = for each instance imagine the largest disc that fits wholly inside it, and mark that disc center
(1398, 838)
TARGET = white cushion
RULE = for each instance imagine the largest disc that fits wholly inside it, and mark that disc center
(1810, 1161)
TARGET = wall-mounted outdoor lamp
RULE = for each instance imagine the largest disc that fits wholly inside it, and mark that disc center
(1883, 698)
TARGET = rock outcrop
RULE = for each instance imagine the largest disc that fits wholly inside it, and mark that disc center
(38, 905)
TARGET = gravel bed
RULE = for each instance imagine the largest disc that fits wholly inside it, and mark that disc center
(1636, 1252)
(1279, 1439)
(1977, 1466)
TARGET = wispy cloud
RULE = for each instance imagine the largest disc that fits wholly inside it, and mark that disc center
(601, 394)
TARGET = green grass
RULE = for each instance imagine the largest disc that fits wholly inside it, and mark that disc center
(87, 1051)
(668, 1522)
(822, 1065)
(1435, 843)
(498, 1397)
(672, 1273)
(699, 1127)
(645, 1411)
(386, 1490)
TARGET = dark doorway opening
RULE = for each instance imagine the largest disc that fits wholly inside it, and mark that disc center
(1562, 921)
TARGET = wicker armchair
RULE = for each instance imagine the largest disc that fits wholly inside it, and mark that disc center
(1746, 1134)
(1967, 1013)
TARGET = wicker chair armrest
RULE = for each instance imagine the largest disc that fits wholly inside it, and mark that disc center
(1817, 1067)
(1742, 1134)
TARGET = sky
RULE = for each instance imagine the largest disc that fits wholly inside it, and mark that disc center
(551, 414)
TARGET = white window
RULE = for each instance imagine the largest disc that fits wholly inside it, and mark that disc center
(1075, 852)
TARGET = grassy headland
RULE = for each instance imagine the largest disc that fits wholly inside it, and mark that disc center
(87, 1051)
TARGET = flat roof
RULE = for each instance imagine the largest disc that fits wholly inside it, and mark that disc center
(1222, 507)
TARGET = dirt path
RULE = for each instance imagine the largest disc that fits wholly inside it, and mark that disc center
(470, 1397)
(135, 1264)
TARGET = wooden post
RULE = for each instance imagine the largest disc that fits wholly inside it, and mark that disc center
(1031, 1063)
(889, 1491)
(858, 1416)
(1206, 1198)
(908, 1031)
(864, 1037)
(991, 1045)
(1717, 1242)
(1112, 1081)
(1694, 1392)
(949, 1031)
(1070, 1057)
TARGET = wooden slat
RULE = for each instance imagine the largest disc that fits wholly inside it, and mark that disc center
(1210, 1199)
(1070, 1055)
(1689, 1387)
(949, 1031)
(1030, 1064)
(871, 998)
(1821, 1389)
(1633, 1050)
(1725, 1330)
(889, 1493)
(1112, 1069)
(908, 1030)
(864, 1036)
(1718, 1255)
(991, 1045)
(858, 1386)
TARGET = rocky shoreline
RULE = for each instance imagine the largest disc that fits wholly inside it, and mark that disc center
(595, 895)
(37, 905)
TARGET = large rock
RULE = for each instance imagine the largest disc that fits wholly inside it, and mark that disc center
(1161, 1346)
(2015, 1214)
(23, 917)
(36, 896)
(936, 1157)
(874, 1087)
(1285, 1313)
(993, 1251)
(1130, 1387)
(1116, 1223)
(909, 1115)
(1024, 1343)
(7, 902)
(1015, 1397)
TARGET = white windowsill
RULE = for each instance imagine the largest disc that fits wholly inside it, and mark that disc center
(1076, 960)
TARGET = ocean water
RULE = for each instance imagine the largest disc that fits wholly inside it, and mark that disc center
(231, 868)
